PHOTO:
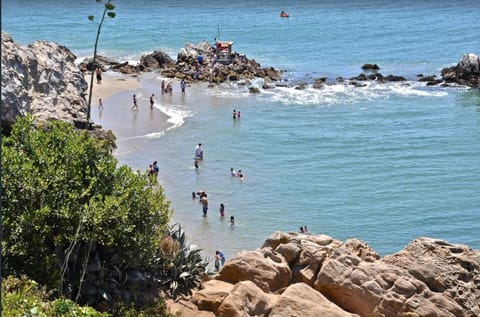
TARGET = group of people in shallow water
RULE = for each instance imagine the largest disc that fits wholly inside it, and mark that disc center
(202, 196)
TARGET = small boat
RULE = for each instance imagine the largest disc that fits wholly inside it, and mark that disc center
(284, 14)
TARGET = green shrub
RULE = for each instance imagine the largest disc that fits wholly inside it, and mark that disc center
(24, 297)
(72, 220)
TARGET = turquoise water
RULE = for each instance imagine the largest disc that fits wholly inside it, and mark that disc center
(383, 163)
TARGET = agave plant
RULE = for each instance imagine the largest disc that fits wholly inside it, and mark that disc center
(179, 268)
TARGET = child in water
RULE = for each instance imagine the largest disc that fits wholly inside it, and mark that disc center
(232, 220)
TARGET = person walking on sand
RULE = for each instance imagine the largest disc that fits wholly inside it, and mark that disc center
(100, 104)
(151, 101)
(204, 202)
(98, 72)
(183, 85)
(135, 106)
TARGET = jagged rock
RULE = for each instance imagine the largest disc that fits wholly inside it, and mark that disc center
(300, 300)
(466, 72)
(41, 79)
(155, 60)
(102, 61)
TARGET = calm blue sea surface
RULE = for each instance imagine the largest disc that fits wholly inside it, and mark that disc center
(383, 163)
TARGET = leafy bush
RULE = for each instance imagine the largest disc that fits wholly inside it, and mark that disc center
(71, 218)
(24, 297)
(178, 265)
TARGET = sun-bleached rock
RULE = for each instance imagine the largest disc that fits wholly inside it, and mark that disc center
(41, 79)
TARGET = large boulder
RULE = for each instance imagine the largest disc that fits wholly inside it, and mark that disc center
(466, 72)
(300, 300)
(41, 79)
(265, 267)
(246, 299)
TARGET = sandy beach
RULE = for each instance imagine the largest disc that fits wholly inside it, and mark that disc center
(111, 83)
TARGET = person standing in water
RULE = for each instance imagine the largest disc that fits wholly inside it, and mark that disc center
(151, 101)
(234, 114)
(222, 210)
(204, 202)
(135, 106)
(183, 85)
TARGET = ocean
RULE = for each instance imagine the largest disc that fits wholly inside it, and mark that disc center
(385, 163)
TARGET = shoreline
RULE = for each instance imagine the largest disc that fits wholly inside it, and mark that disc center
(143, 125)
(112, 83)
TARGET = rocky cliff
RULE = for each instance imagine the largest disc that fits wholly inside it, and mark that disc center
(42, 79)
(316, 275)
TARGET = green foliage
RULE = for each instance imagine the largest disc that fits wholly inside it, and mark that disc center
(71, 218)
(24, 297)
(180, 268)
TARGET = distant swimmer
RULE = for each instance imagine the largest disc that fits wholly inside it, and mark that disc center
(232, 220)
(240, 174)
(222, 210)
(234, 114)
(238, 114)
(232, 172)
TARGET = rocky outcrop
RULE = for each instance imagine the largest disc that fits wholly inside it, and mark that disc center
(316, 275)
(466, 72)
(41, 79)
(189, 66)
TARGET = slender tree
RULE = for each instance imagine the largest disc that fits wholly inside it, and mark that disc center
(107, 11)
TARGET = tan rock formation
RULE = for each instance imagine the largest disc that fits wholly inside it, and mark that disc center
(304, 275)
(266, 268)
(300, 300)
